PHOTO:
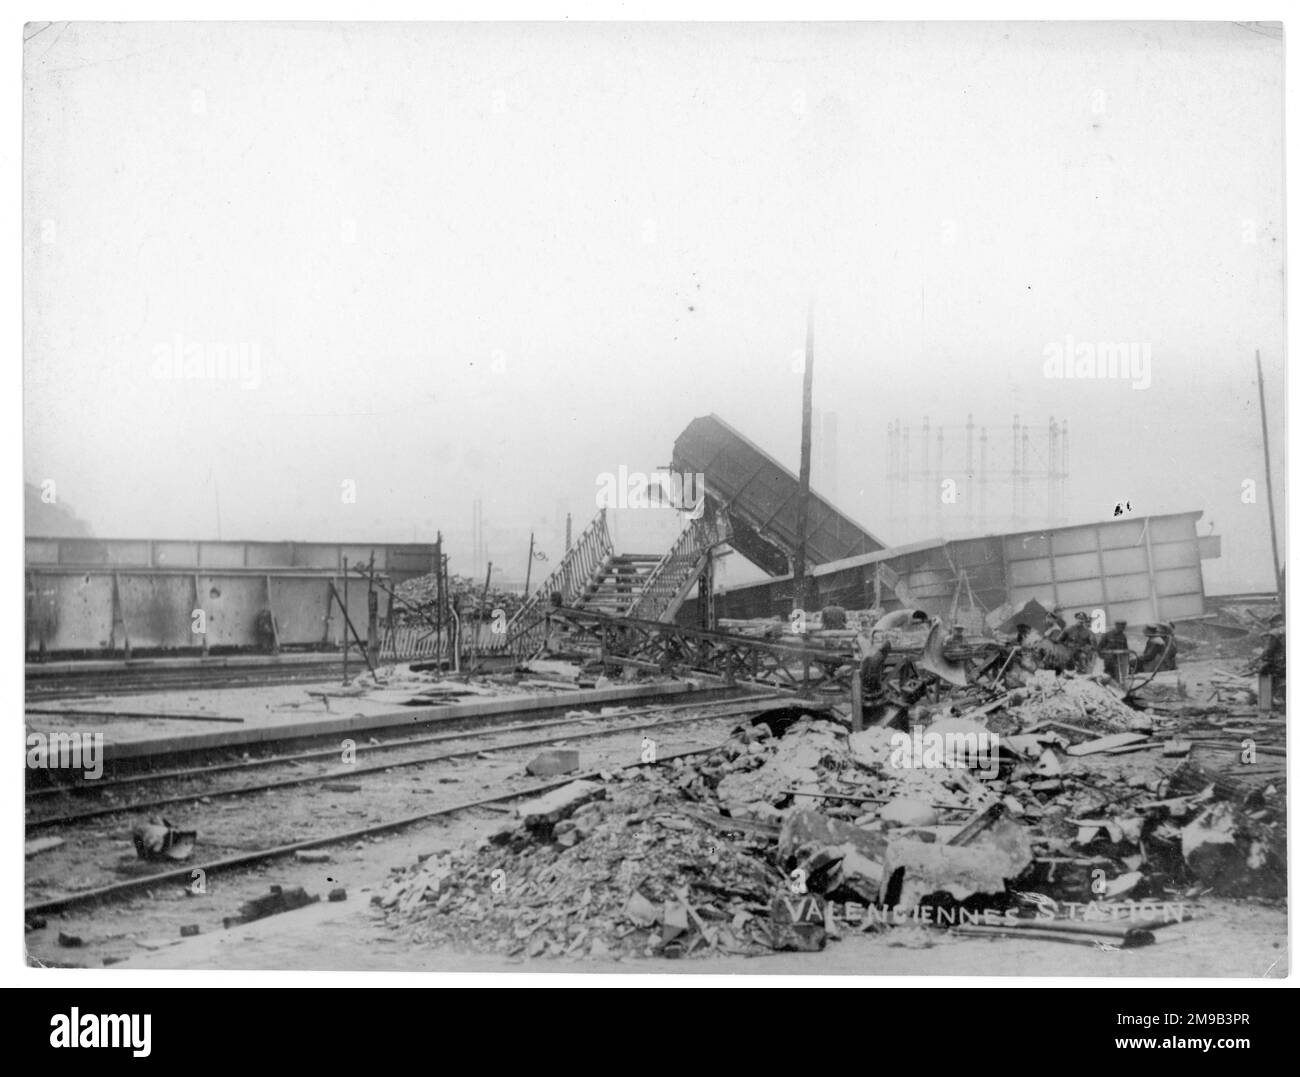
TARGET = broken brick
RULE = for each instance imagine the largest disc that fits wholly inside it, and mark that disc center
(554, 761)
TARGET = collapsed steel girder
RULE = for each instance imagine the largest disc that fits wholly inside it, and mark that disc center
(654, 644)
(811, 665)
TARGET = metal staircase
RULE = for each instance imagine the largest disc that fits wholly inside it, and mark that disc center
(594, 578)
(571, 579)
(618, 584)
(679, 569)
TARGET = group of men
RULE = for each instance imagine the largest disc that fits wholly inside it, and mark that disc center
(1059, 647)
(1077, 647)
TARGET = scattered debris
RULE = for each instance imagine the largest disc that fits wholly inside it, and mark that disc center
(278, 900)
(554, 761)
(159, 839)
(545, 811)
(1106, 744)
(312, 856)
(35, 846)
(1233, 853)
(1087, 800)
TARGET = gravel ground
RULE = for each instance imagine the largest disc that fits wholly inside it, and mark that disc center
(93, 851)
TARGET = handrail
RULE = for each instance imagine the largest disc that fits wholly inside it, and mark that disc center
(667, 578)
(526, 630)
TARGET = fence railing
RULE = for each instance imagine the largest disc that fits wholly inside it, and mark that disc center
(408, 643)
(403, 642)
(662, 592)
(527, 629)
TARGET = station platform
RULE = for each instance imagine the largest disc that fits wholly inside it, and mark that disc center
(147, 724)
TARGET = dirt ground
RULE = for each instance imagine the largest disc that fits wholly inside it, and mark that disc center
(1233, 939)
(1226, 939)
(152, 920)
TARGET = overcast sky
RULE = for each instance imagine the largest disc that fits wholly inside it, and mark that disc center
(495, 261)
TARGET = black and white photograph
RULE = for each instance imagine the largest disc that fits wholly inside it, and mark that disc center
(679, 498)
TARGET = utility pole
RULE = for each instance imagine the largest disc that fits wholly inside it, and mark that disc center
(801, 596)
(372, 612)
(478, 622)
(478, 535)
(444, 620)
(528, 572)
(1268, 476)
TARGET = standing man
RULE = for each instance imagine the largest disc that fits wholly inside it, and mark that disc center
(1114, 653)
(1271, 664)
(1161, 649)
(1082, 643)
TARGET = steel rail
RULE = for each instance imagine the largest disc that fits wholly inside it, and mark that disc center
(388, 745)
(213, 867)
(310, 779)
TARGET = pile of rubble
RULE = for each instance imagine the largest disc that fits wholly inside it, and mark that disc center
(755, 845)
(1081, 701)
(623, 867)
(1233, 631)
(418, 598)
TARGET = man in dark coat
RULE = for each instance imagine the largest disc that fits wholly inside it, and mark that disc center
(1271, 664)
(1082, 643)
(1114, 651)
(1161, 649)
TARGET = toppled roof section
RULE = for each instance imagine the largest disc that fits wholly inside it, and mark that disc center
(761, 498)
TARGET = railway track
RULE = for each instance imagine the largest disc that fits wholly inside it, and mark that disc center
(698, 711)
(453, 728)
(45, 684)
(42, 687)
(393, 817)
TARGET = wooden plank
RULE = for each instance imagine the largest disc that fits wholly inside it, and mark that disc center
(1105, 744)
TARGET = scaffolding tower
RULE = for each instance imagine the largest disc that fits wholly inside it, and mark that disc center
(1005, 478)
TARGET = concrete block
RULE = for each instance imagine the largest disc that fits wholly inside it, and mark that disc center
(545, 811)
(554, 761)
